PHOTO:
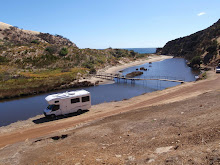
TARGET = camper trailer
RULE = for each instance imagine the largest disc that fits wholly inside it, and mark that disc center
(68, 102)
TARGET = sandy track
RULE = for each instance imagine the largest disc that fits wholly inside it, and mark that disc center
(108, 109)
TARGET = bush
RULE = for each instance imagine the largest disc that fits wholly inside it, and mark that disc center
(63, 52)
(211, 49)
(88, 65)
(3, 59)
(132, 53)
(207, 58)
(92, 71)
(196, 61)
(51, 50)
(6, 38)
(41, 61)
(35, 41)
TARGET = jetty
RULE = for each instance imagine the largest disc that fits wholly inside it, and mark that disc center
(118, 77)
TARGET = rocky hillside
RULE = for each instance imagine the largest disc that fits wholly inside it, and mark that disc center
(202, 45)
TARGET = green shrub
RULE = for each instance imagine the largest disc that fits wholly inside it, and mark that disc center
(132, 53)
(51, 49)
(35, 41)
(63, 51)
(204, 75)
(92, 71)
(211, 49)
(41, 61)
(88, 65)
(140, 55)
(207, 58)
(3, 59)
(196, 60)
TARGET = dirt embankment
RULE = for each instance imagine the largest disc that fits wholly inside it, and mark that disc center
(179, 125)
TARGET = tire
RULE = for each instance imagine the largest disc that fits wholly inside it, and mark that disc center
(79, 111)
(53, 116)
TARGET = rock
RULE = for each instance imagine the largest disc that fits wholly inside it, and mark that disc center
(131, 158)
(151, 160)
(134, 74)
(175, 148)
(98, 160)
(97, 83)
(118, 156)
(163, 149)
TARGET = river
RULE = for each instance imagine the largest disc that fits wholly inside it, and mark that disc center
(24, 108)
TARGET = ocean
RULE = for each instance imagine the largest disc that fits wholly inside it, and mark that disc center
(139, 50)
(142, 50)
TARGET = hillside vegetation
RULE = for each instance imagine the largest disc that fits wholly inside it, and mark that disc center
(202, 46)
(33, 62)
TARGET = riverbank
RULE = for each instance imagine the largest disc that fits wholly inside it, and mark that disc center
(177, 125)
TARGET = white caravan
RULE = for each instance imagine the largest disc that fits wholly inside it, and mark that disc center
(68, 102)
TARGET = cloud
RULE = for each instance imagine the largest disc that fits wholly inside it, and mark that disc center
(202, 13)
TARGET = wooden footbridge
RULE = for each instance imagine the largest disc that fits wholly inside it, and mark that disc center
(118, 77)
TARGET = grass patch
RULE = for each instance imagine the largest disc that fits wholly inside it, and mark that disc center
(204, 75)
(38, 82)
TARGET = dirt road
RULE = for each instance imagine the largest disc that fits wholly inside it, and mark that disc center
(168, 127)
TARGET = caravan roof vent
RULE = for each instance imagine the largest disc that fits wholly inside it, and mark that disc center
(71, 93)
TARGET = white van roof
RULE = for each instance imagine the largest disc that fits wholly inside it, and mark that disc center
(65, 95)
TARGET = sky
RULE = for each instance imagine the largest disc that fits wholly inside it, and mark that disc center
(101, 24)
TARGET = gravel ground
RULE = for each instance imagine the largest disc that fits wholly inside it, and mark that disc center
(180, 125)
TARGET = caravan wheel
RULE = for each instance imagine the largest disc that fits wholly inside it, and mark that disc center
(53, 116)
(79, 111)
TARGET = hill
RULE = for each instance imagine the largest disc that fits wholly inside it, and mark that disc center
(19, 36)
(203, 44)
(33, 62)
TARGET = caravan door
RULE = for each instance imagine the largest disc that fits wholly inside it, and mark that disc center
(56, 110)
(64, 106)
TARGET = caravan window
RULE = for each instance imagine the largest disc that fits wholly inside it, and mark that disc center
(76, 100)
(55, 107)
(85, 99)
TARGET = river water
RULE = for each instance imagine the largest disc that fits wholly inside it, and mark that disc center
(176, 68)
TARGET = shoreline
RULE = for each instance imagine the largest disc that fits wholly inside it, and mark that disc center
(122, 66)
